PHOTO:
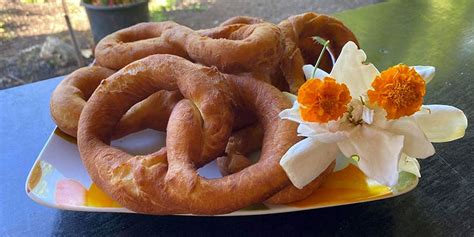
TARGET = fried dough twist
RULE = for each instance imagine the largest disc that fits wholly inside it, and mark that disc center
(236, 48)
(70, 96)
(166, 182)
(274, 54)
(301, 48)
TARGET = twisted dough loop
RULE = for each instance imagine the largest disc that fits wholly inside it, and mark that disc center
(240, 44)
(153, 112)
(248, 20)
(272, 53)
(148, 183)
(130, 44)
(70, 96)
(236, 48)
(298, 31)
(248, 140)
(300, 47)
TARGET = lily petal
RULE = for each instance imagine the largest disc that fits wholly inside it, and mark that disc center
(410, 165)
(427, 72)
(292, 113)
(416, 144)
(351, 70)
(320, 132)
(342, 161)
(367, 115)
(379, 152)
(306, 160)
(442, 123)
(319, 74)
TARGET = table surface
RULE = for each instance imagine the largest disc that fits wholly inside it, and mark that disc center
(437, 32)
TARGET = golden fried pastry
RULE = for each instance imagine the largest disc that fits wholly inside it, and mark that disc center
(300, 47)
(167, 182)
(118, 49)
(247, 20)
(248, 140)
(70, 96)
(292, 194)
(182, 88)
(236, 48)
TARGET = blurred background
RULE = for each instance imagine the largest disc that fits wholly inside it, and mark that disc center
(35, 43)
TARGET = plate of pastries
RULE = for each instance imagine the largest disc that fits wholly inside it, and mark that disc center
(170, 120)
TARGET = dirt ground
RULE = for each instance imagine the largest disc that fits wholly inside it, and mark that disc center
(24, 28)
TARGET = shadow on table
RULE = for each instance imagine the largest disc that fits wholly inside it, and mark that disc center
(347, 220)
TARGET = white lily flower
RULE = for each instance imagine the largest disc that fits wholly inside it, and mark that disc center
(384, 147)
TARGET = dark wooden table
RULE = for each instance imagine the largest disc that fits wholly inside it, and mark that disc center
(438, 32)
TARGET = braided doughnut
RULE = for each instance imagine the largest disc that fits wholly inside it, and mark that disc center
(299, 45)
(166, 182)
(70, 96)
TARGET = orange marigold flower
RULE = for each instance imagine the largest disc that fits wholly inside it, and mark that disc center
(399, 90)
(323, 100)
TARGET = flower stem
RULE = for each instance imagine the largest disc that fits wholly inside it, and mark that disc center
(325, 45)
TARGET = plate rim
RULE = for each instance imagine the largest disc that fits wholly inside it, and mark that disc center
(284, 208)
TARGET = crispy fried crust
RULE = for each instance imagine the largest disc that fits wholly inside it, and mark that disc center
(145, 94)
(235, 48)
(298, 31)
(300, 47)
(248, 140)
(240, 44)
(70, 96)
(153, 112)
(292, 194)
(247, 20)
(166, 181)
(120, 48)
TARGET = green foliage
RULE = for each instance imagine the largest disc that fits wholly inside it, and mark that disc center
(157, 16)
(162, 5)
(33, 1)
(108, 2)
(158, 7)
(171, 5)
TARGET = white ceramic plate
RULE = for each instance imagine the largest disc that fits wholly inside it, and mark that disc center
(58, 179)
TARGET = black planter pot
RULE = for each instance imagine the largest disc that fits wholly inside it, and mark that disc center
(108, 19)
